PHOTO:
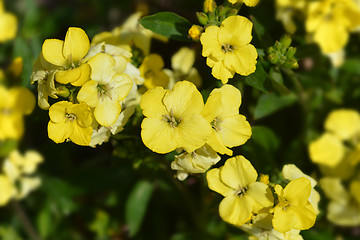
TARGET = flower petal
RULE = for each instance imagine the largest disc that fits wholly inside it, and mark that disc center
(235, 210)
(107, 111)
(76, 44)
(52, 52)
(215, 183)
(151, 103)
(89, 93)
(102, 68)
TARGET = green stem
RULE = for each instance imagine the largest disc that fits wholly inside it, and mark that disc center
(29, 228)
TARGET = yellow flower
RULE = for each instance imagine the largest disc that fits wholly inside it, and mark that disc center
(182, 64)
(14, 103)
(195, 162)
(151, 70)
(8, 24)
(236, 181)
(327, 150)
(105, 90)
(249, 3)
(344, 206)
(67, 55)
(291, 172)
(260, 228)
(18, 168)
(195, 32)
(7, 190)
(229, 128)
(70, 121)
(344, 123)
(294, 211)
(16, 67)
(330, 22)
(228, 49)
(173, 119)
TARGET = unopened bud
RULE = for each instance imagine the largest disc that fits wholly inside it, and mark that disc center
(195, 32)
(202, 18)
(286, 41)
(232, 12)
(209, 6)
(62, 91)
(290, 52)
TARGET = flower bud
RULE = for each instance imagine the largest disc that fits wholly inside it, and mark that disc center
(202, 18)
(195, 32)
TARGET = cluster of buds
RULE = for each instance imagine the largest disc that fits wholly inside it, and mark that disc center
(282, 54)
(214, 15)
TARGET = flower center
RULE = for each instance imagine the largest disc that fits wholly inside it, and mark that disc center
(227, 48)
(215, 124)
(173, 122)
(70, 117)
(241, 191)
(104, 90)
(6, 111)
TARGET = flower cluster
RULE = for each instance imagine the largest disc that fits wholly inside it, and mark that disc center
(16, 177)
(178, 119)
(249, 204)
(328, 22)
(8, 24)
(93, 84)
(337, 153)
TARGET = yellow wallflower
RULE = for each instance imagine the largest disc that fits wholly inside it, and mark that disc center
(70, 121)
(18, 168)
(294, 211)
(329, 149)
(261, 228)
(8, 24)
(249, 3)
(67, 55)
(229, 128)
(291, 172)
(236, 181)
(173, 118)
(344, 205)
(182, 65)
(228, 49)
(151, 70)
(14, 103)
(105, 90)
(7, 190)
(195, 162)
(330, 22)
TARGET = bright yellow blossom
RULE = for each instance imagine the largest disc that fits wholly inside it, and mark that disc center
(105, 90)
(331, 21)
(173, 118)
(195, 162)
(19, 169)
(344, 206)
(67, 55)
(294, 211)
(344, 123)
(70, 121)
(151, 70)
(14, 103)
(228, 49)
(292, 172)
(7, 190)
(249, 3)
(229, 128)
(236, 181)
(8, 24)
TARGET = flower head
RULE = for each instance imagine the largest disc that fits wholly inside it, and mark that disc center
(236, 181)
(8, 24)
(173, 118)
(70, 121)
(228, 49)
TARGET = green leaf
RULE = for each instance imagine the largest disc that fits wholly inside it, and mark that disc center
(277, 81)
(136, 205)
(266, 138)
(167, 24)
(352, 66)
(270, 103)
(258, 78)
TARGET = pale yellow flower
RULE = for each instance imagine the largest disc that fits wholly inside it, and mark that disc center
(7, 190)
(8, 24)
(228, 49)
(236, 181)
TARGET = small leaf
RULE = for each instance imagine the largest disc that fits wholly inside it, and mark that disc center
(168, 24)
(266, 138)
(270, 103)
(258, 78)
(136, 205)
(277, 81)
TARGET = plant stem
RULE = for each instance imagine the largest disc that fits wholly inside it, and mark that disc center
(29, 228)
